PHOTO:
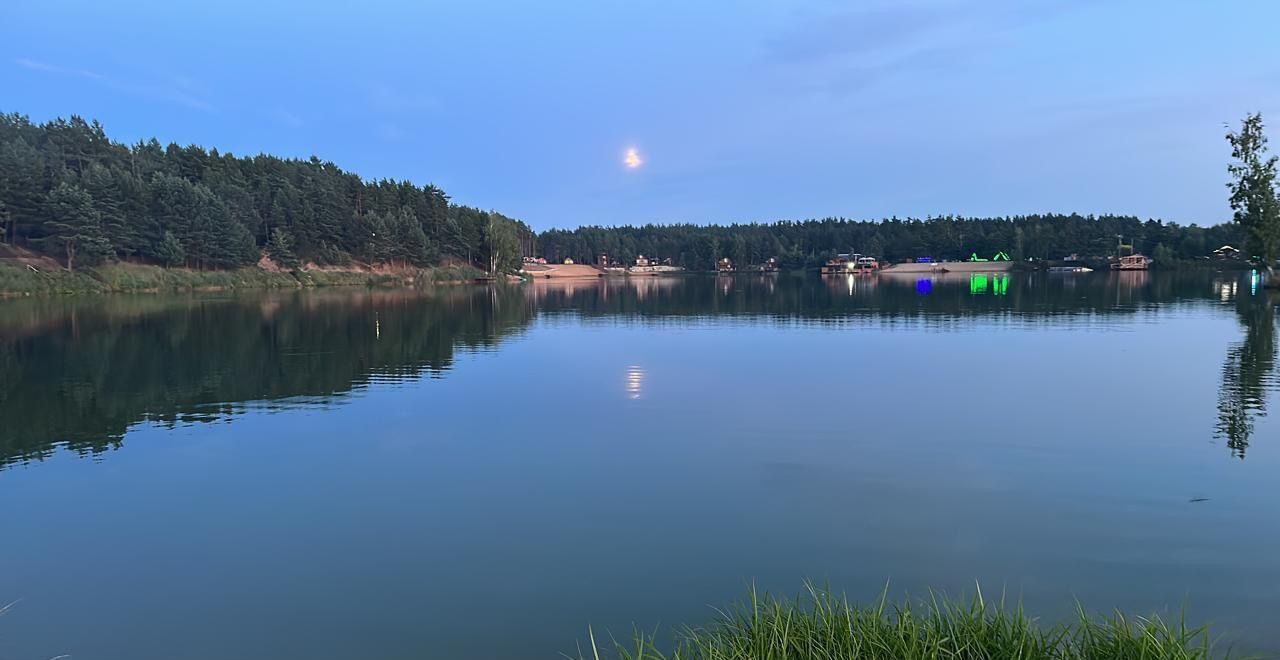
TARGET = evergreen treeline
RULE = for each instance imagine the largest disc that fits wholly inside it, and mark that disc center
(68, 190)
(811, 242)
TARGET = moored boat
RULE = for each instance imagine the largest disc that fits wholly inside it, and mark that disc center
(1132, 262)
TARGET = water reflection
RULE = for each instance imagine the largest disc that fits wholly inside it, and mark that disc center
(635, 381)
(77, 373)
(979, 283)
(1248, 372)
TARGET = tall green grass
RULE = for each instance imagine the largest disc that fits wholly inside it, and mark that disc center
(136, 277)
(822, 626)
(18, 280)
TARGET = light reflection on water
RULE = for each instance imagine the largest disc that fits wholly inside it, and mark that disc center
(635, 381)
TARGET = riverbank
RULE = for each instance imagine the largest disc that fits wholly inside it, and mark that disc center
(822, 625)
(19, 278)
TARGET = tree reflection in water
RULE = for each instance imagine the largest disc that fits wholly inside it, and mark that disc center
(78, 373)
(1248, 372)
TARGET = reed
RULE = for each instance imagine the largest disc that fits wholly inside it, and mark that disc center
(819, 625)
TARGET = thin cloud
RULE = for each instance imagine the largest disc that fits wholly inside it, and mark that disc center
(858, 33)
(843, 52)
(35, 65)
(172, 95)
(899, 26)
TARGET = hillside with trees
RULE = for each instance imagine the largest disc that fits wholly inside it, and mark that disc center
(69, 191)
(811, 242)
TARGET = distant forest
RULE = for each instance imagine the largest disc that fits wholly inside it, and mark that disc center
(811, 242)
(69, 191)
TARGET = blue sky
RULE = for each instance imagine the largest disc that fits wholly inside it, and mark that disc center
(741, 110)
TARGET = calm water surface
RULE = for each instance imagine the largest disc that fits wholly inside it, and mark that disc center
(483, 473)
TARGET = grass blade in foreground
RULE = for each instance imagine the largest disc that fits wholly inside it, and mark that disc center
(822, 626)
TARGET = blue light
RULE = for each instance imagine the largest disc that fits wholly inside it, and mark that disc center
(924, 287)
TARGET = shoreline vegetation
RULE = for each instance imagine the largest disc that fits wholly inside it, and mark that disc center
(147, 216)
(76, 200)
(820, 624)
(19, 279)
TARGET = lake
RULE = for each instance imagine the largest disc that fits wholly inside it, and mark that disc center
(472, 472)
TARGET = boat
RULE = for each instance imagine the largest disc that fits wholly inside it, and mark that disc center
(1132, 262)
(1070, 269)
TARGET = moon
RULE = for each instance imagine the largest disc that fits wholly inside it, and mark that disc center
(632, 159)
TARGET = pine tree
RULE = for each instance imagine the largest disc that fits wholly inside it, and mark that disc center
(74, 225)
(169, 251)
(21, 189)
(106, 191)
(280, 247)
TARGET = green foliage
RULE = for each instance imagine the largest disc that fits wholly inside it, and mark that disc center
(821, 625)
(809, 243)
(201, 222)
(22, 179)
(330, 255)
(500, 243)
(134, 277)
(108, 199)
(18, 279)
(73, 225)
(280, 247)
(1253, 190)
(169, 250)
(223, 210)
(454, 274)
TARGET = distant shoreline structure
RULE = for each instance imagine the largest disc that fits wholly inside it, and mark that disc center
(950, 267)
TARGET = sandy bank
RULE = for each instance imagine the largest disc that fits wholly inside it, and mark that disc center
(559, 271)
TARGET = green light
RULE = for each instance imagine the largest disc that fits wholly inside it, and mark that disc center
(1000, 256)
(977, 284)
